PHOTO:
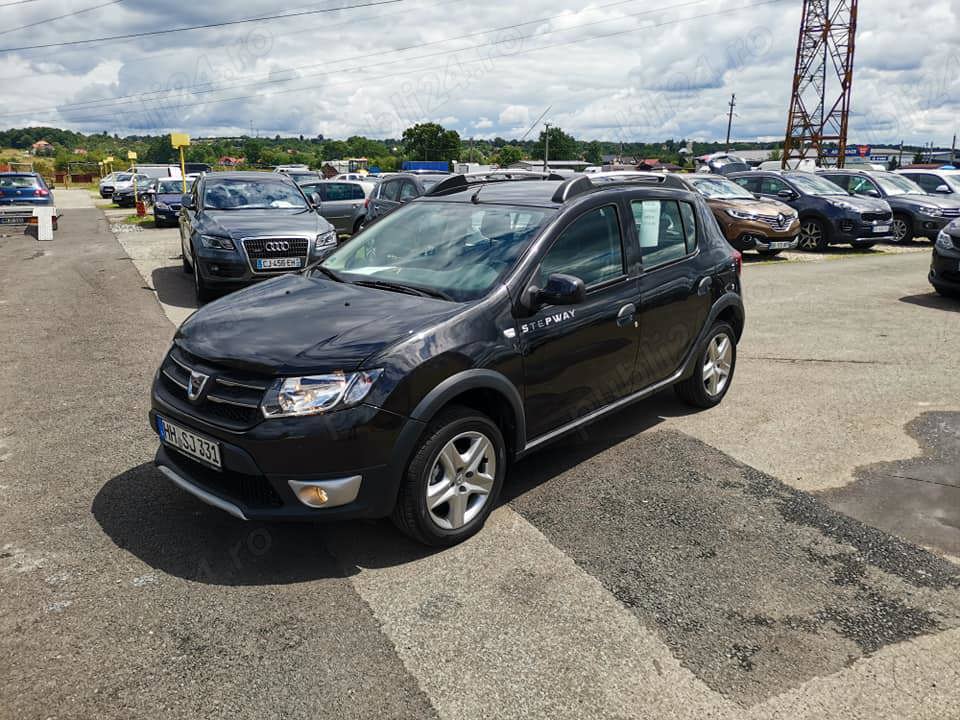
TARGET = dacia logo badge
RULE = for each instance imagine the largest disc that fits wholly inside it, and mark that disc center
(196, 384)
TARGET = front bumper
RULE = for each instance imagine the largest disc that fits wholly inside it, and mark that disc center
(928, 226)
(168, 216)
(945, 269)
(274, 470)
(854, 230)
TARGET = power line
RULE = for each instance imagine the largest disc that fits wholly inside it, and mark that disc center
(59, 17)
(16, 2)
(141, 97)
(151, 33)
(414, 71)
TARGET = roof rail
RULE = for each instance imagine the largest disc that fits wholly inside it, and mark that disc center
(464, 180)
(579, 185)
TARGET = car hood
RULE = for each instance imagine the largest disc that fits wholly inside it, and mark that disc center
(760, 207)
(921, 200)
(237, 224)
(301, 324)
(862, 204)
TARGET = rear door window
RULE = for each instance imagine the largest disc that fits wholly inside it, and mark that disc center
(663, 235)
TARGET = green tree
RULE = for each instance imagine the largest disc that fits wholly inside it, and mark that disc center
(253, 150)
(562, 146)
(430, 141)
(508, 155)
(593, 153)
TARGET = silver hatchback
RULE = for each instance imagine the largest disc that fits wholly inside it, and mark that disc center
(343, 203)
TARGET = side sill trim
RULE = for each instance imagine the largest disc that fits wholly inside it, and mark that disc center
(208, 498)
(600, 412)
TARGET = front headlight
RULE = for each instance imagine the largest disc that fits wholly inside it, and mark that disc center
(327, 239)
(315, 394)
(931, 211)
(162, 206)
(217, 243)
(944, 241)
(740, 214)
(850, 207)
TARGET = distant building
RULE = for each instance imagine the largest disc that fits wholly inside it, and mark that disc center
(41, 147)
(227, 161)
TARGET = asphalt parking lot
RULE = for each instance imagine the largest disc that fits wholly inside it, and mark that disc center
(792, 553)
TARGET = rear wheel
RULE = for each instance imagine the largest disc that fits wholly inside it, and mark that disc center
(717, 359)
(813, 236)
(358, 226)
(901, 228)
(453, 480)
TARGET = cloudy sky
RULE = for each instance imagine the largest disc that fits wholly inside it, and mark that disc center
(609, 69)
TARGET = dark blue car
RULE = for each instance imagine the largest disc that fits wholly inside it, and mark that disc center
(166, 201)
(25, 189)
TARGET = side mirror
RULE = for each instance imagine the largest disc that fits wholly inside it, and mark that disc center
(787, 195)
(758, 196)
(315, 199)
(187, 202)
(944, 189)
(560, 290)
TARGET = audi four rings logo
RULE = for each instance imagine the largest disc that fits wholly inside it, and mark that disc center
(277, 246)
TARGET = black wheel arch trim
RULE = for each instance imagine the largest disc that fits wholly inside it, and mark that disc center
(724, 302)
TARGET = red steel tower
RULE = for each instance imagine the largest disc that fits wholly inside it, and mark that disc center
(822, 81)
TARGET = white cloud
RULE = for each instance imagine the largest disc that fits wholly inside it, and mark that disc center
(610, 70)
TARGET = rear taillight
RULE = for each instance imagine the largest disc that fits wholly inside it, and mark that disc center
(41, 192)
(366, 203)
(738, 261)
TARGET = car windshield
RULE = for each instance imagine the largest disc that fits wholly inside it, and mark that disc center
(236, 194)
(168, 187)
(123, 177)
(898, 185)
(721, 189)
(457, 250)
(813, 185)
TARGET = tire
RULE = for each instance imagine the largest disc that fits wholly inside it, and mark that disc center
(696, 390)
(453, 433)
(901, 228)
(358, 226)
(201, 290)
(813, 236)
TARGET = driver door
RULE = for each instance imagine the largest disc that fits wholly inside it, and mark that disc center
(579, 358)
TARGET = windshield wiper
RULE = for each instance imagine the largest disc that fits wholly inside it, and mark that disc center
(401, 287)
(329, 273)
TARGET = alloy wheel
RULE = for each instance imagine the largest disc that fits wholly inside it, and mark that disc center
(899, 230)
(811, 236)
(461, 480)
(717, 364)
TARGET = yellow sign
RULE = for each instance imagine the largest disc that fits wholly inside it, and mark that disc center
(109, 159)
(131, 155)
(179, 140)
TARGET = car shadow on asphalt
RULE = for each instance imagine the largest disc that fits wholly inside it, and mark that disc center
(173, 532)
(933, 301)
(174, 287)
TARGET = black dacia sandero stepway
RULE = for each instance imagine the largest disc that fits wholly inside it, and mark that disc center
(474, 325)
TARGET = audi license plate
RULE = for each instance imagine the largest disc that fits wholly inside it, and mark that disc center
(13, 220)
(278, 263)
(196, 446)
(779, 245)
(881, 228)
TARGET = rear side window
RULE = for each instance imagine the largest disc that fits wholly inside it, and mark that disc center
(664, 235)
(339, 191)
(591, 248)
(390, 190)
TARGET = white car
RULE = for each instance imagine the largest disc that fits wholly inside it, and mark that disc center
(935, 182)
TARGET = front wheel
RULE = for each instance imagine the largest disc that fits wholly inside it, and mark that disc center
(813, 236)
(717, 359)
(901, 229)
(201, 290)
(453, 480)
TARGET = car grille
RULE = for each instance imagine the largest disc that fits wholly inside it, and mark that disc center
(774, 221)
(230, 400)
(951, 212)
(876, 216)
(258, 248)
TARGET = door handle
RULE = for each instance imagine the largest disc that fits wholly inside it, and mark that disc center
(627, 315)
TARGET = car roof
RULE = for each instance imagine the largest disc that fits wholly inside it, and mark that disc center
(520, 192)
(250, 175)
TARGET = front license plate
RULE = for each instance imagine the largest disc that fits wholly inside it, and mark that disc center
(200, 448)
(881, 228)
(13, 220)
(278, 263)
(779, 245)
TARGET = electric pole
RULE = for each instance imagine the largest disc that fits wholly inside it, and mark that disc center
(733, 104)
(953, 151)
(546, 146)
